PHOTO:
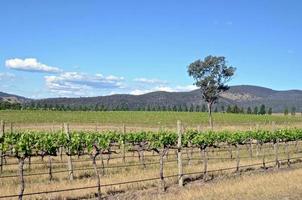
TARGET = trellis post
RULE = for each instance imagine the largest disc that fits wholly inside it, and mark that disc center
(123, 144)
(69, 159)
(2, 128)
(179, 154)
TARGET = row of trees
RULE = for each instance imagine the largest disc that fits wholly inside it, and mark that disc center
(257, 110)
(176, 108)
(5, 105)
(121, 107)
(292, 112)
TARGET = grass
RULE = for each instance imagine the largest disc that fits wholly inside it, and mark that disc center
(283, 185)
(136, 118)
(86, 178)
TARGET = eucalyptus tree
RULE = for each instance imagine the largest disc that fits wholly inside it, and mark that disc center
(211, 76)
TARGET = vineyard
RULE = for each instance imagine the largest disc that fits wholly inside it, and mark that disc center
(140, 118)
(93, 164)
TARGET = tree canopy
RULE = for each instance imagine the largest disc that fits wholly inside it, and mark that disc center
(211, 76)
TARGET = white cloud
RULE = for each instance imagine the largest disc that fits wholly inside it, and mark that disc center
(81, 84)
(140, 92)
(185, 88)
(165, 89)
(30, 65)
(150, 81)
(7, 76)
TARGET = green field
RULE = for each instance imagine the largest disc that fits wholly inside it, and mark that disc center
(141, 118)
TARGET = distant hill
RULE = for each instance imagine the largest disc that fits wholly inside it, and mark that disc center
(12, 98)
(242, 95)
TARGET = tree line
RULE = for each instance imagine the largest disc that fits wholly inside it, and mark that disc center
(5, 105)
(256, 110)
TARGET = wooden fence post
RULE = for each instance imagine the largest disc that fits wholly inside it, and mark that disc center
(230, 151)
(205, 163)
(257, 147)
(2, 129)
(123, 144)
(179, 154)
(69, 158)
(21, 175)
(251, 148)
(288, 153)
(276, 147)
(263, 157)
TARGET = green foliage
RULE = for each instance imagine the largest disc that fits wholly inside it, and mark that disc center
(293, 111)
(20, 144)
(5, 105)
(163, 139)
(249, 110)
(286, 111)
(255, 110)
(26, 144)
(262, 110)
(211, 75)
(270, 111)
(203, 108)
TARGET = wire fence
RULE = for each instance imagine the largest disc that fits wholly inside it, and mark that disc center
(213, 150)
(142, 180)
(139, 164)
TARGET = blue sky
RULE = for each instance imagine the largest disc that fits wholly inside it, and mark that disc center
(88, 48)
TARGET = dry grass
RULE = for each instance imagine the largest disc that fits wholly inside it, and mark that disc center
(283, 185)
(86, 177)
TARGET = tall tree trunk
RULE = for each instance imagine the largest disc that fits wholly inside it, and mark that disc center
(21, 175)
(210, 115)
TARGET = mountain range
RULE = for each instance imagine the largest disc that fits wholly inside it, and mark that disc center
(242, 95)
